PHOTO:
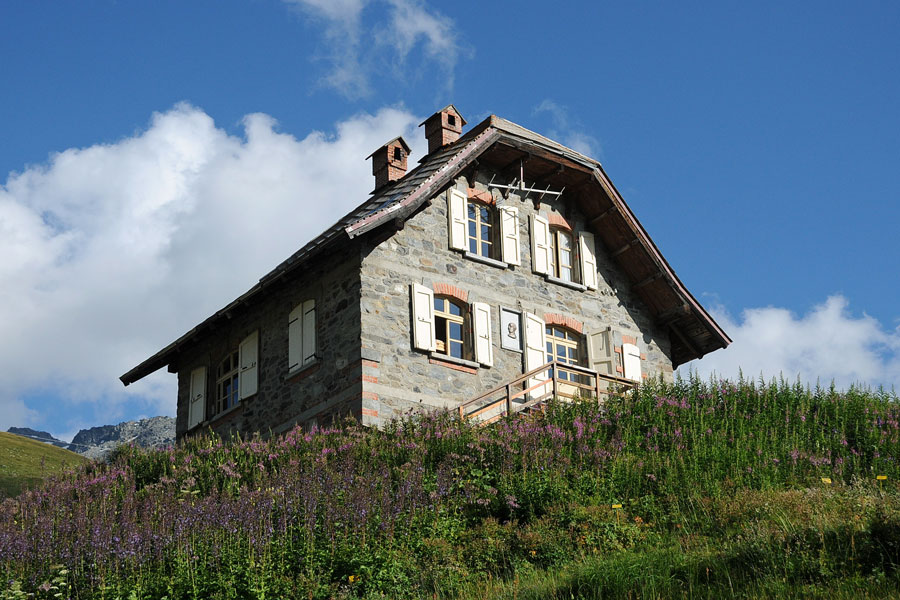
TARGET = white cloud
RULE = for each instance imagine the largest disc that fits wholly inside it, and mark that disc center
(568, 132)
(112, 251)
(355, 44)
(826, 344)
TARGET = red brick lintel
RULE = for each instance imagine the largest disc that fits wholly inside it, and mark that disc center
(446, 289)
(556, 220)
(481, 196)
(569, 322)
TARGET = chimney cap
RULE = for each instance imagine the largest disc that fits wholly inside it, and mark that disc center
(399, 138)
(443, 110)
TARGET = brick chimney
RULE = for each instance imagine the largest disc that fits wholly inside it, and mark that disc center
(443, 127)
(389, 162)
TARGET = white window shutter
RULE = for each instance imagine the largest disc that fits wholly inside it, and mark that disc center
(309, 332)
(248, 355)
(295, 337)
(540, 244)
(456, 213)
(484, 351)
(423, 318)
(588, 260)
(535, 352)
(601, 355)
(197, 399)
(631, 357)
(509, 231)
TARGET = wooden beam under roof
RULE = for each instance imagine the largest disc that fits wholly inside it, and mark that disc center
(596, 220)
(626, 247)
(648, 280)
(686, 342)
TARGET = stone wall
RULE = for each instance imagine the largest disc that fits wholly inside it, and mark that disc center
(398, 379)
(327, 389)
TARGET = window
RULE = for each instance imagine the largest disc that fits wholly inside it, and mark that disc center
(554, 253)
(482, 230)
(302, 335)
(446, 325)
(227, 389)
(237, 376)
(562, 255)
(449, 326)
(564, 346)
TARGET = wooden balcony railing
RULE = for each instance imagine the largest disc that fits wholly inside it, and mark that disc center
(552, 380)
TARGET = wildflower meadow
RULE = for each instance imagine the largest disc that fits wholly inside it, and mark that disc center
(687, 489)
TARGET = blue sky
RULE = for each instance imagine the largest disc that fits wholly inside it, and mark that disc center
(146, 146)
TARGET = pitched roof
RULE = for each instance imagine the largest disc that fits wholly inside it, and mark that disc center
(497, 141)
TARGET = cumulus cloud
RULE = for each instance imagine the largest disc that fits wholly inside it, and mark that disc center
(358, 48)
(826, 344)
(112, 251)
(567, 130)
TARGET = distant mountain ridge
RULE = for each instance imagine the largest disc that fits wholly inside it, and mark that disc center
(97, 442)
(40, 436)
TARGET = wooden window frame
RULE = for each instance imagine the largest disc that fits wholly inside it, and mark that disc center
(556, 254)
(223, 400)
(442, 320)
(477, 239)
(572, 340)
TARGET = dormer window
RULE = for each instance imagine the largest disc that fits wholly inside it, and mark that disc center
(398, 153)
(451, 119)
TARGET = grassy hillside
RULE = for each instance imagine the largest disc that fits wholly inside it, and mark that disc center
(25, 462)
(700, 490)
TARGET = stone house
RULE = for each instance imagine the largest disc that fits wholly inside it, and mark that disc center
(451, 279)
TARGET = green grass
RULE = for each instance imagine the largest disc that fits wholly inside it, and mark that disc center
(685, 490)
(25, 463)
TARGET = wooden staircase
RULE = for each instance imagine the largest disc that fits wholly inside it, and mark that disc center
(532, 390)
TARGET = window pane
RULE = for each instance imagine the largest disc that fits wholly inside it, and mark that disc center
(565, 242)
(485, 214)
(473, 245)
(454, 309)
(485, 249)
(471, 208)
(456, 349)
(439, 304)
(473, 228)
(456, 331)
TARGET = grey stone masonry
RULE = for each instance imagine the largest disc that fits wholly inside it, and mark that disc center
(326, 388)
(397, 378)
